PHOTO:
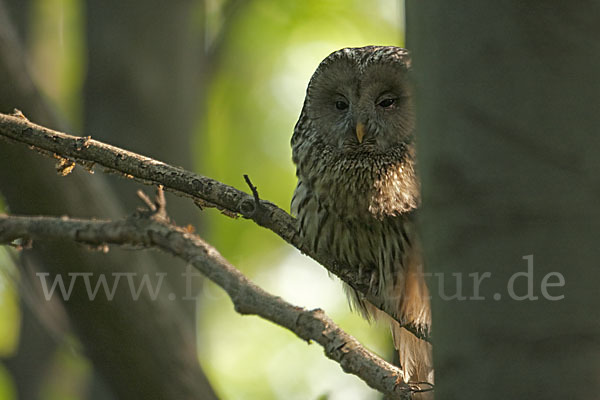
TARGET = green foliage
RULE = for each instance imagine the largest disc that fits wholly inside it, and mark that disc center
(69, 373)
(10, 316)
(57, 53)
(9, 305)
(257, 94)
(253, 104)
(7, 388)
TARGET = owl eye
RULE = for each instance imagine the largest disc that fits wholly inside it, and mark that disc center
(341, 105)
(387, 103)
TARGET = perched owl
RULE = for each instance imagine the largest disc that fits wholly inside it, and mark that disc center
(357, 191)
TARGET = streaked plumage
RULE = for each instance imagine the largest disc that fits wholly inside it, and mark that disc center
(357, 190)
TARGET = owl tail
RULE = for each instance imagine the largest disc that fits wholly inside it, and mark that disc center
(413, 306)
(410, 297)
(415, 360)
(414, 354)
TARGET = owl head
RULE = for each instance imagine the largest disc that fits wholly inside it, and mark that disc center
(359, 100)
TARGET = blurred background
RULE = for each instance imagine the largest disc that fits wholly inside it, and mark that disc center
(215, 86)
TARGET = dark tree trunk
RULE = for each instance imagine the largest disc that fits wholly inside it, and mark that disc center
(141, 93)
(508, 119)
(144, 348)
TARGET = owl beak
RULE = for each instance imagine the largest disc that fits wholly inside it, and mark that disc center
(360, 131)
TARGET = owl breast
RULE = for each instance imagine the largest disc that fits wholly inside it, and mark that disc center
(356, 207)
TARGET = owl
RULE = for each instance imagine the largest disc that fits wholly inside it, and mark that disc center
(357, 191)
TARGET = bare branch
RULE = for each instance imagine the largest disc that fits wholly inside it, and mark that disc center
(204, 191)
(247, 298)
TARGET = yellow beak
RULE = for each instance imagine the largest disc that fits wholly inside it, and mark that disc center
(360, 131)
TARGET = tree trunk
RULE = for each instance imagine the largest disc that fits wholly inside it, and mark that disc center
(141, 93)
(508, 96)
(144, 348)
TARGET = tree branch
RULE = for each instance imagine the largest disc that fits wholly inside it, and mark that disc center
(206, 192)
(247, 298)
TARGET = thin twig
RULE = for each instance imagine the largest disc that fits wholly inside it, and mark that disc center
(253, 189)
(257, 205)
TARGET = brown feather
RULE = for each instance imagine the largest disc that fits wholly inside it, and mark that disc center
(355, 199)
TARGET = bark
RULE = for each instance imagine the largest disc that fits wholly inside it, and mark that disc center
(507, 100)
(129, 342)
(144, 65)
(150, 229)
(143, 84)
(205, 192)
